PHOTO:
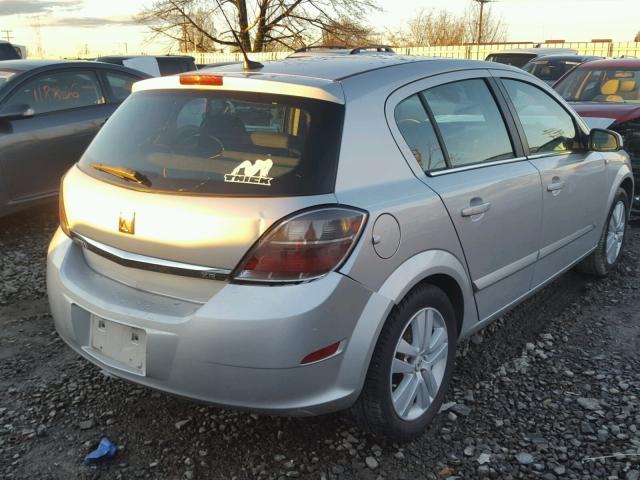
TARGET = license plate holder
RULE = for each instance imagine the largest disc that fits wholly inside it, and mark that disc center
(125, 345)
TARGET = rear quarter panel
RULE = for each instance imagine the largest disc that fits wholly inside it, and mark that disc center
(374, 175)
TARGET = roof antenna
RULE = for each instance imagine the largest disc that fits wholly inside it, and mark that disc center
(247, 65)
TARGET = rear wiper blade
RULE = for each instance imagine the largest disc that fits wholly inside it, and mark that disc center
(123, 172)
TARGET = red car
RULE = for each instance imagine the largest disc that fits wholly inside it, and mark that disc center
(607, 94)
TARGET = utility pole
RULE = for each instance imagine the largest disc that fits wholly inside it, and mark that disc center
(479, 37)
(37, 27)
(8, 34)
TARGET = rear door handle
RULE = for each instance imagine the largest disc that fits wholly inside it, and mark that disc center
(475, 209)
(555, 186)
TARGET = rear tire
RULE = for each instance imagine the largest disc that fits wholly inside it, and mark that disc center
(606, 256)
(401, 362)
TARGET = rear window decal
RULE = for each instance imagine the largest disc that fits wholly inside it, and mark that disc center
(253, 173)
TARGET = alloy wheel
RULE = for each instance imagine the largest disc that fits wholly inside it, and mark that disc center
(419, 364)
(615, 232)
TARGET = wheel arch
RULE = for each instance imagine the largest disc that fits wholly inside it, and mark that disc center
(437, 267)
(442, 269)
(627, 186)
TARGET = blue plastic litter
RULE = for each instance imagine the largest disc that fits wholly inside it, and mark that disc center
(105, 450)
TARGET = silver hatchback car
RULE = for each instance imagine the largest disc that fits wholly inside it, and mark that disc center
(319, 234)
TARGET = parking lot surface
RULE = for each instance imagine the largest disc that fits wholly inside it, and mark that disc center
(550, 391)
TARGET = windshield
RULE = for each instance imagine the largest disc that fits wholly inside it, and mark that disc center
(516, 59)
(549, 70)
(221, 143)
(601, 85)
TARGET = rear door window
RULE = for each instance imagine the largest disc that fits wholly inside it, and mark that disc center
(470, 122)
(222, 143)
(547, 126)
(51, 92)
(120, 84)
(417, 130)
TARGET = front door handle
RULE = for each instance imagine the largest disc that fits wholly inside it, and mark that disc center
(475, 210)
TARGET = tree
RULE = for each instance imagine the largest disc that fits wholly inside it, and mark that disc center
(260, 25)
(429, 28)
(493, 27)
(637, 39)
(348, 33)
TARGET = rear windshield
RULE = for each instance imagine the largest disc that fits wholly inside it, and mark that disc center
(550, 70)
(8, 52)
(220, 143)
(516, 59)
(173, 66)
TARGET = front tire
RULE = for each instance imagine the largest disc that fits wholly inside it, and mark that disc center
(606, 256)
(411, 366)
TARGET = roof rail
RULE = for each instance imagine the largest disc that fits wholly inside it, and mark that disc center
(308, 48)
(373, 48)
(351, 50)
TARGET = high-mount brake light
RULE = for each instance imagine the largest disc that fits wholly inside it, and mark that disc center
(201, 79)
(303, 247)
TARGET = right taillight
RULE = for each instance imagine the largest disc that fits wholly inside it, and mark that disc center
(62, 213)
(303, 247)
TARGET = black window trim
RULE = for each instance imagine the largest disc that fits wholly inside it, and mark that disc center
(37, 74)
(412, 88)
(516, 145)
(523, 137)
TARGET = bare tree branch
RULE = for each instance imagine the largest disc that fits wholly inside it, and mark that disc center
(260, 24)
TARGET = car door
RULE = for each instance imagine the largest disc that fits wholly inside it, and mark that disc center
(473, 160)
(69, 107)
(574, 183)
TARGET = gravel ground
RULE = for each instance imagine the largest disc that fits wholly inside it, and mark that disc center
(550, 391)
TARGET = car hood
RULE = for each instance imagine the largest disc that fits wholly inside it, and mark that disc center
(617, 112)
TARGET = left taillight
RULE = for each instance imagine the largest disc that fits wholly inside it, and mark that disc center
(303, 247)
(62, 212)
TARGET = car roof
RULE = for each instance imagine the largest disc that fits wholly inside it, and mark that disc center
(323, 78)
(613, 63)
(129, 57)
(564, 57)
(25, 65)
(21, 68)
(340, 66)
(536, 51)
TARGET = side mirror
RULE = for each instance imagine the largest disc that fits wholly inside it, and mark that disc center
(16, 112)
(601, 140)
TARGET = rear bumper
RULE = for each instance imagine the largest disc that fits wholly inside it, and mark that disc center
(242, 348)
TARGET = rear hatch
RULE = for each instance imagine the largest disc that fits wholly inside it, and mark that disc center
(197, 176)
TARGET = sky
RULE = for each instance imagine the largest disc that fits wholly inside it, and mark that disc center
(99, 27)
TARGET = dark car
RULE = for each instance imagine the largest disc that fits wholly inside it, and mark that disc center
(519, 57)
(165, 64)
(8, 51)
(550, 68)
(607, 93)
(49, 113)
